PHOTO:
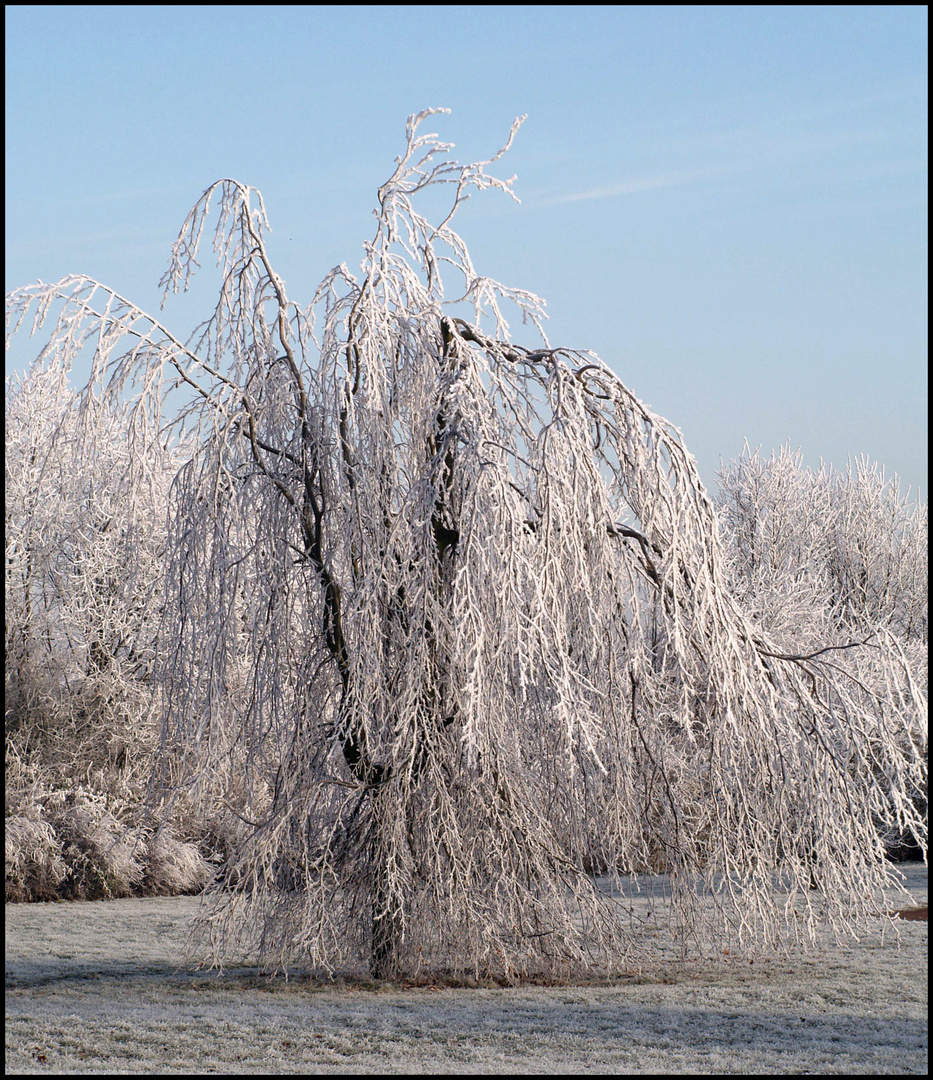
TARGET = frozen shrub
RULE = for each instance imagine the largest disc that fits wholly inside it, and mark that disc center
(175, 866)
(104, 858)
(35, 868)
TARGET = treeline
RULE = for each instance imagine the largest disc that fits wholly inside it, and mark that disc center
(819, 559)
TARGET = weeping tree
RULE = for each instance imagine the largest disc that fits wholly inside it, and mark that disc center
(446, 624)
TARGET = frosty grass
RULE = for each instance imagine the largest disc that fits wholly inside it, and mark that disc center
(102, 987)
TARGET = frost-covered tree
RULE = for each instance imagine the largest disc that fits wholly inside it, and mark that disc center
(822, 558)
(852, 540)
(86, 527)
(447, 622)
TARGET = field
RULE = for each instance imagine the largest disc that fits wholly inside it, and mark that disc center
(102, 988)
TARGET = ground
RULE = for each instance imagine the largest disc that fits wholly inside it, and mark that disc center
(103, 988)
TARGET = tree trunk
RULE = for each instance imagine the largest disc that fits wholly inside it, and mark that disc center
(386, 932)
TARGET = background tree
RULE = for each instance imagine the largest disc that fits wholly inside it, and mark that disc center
(856, 540)
(823, 558)
(447, 617)
(84, 544)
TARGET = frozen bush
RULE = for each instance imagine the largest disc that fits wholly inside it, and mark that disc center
(35, 868)
(104, 858)
(175, 866)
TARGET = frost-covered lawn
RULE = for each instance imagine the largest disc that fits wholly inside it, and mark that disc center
(102, 987)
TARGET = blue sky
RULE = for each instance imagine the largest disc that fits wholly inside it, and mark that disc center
(728, 204)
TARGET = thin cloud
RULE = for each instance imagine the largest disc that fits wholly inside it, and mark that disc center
(122, 196)
(643, 183)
